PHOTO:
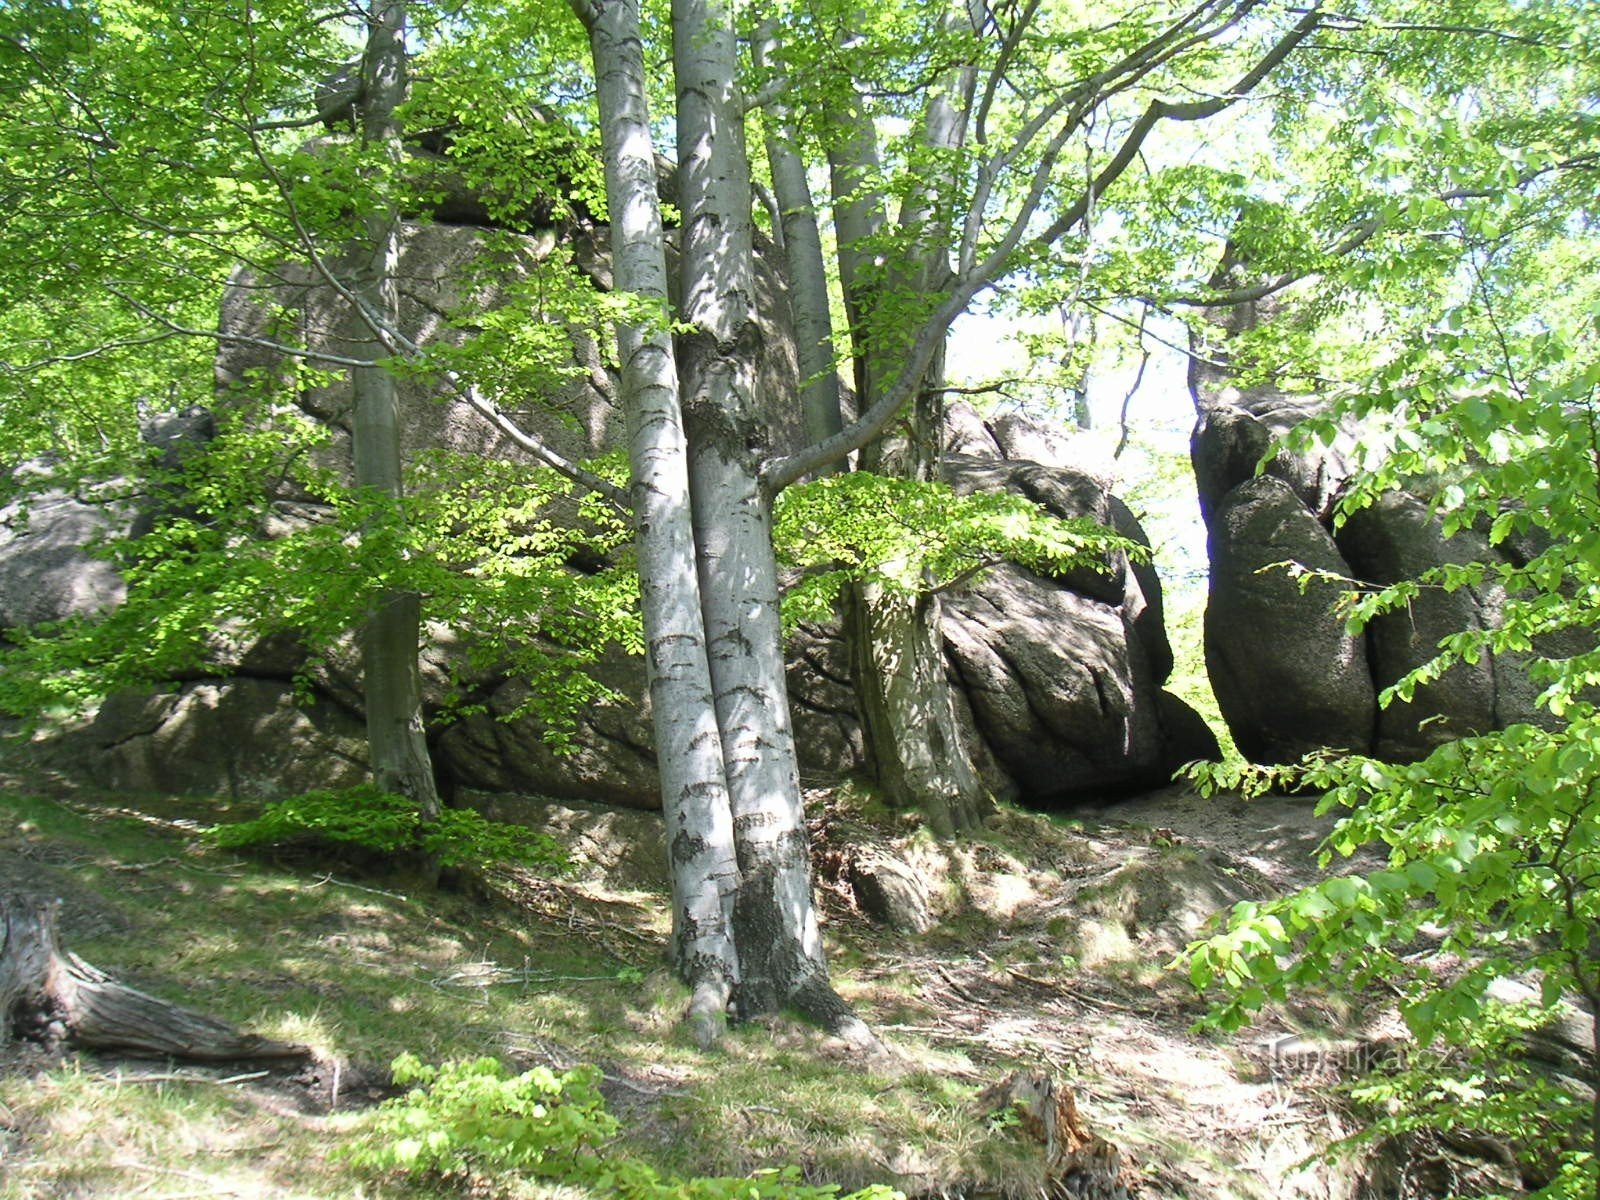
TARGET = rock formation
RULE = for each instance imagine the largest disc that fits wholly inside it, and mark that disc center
(1061, 677)
(1288, 676)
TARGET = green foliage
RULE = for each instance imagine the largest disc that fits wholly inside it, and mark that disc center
(914, 537)
(189, 126)
(1479, 391)
(489, 545)
(474, 1119)
(365, 819)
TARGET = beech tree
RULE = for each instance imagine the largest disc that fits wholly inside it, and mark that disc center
(689, 748)
(391, 640)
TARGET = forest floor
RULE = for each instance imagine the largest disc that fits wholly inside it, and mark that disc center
(1050, 955)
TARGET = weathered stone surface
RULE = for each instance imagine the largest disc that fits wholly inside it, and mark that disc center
(1141, 596)
(576, 414)
(1060, 677)
(1187, 737)
(622, 848)
(241, 737)
(1062, 715)
(48, 567)
(891, 892)
(822, 705)
(445, 270)
(1226, 446)
(1396, 539)
(1230, 439)
(1285, 674)
(1288, 677)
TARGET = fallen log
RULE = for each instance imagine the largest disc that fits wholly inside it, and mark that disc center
(51, 997)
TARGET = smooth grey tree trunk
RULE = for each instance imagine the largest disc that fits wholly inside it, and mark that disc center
(781, 959)
(689, 753)
(808, 271)
(397, 742)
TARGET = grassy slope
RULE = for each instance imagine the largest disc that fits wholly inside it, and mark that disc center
(569, 973)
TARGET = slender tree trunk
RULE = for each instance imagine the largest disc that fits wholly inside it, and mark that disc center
(914, 739)
(396, 738)
(688, 743)
(781, 958)
(808, 272)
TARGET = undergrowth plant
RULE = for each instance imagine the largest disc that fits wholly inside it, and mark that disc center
(366, 819)
(1491, 843)
(473, 1120)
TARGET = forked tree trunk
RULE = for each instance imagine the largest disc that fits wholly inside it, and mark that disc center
(689, 758)
(781, 962)
(52, 997)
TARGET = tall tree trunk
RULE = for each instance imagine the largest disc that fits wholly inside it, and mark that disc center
(913, 737)
(396, 739)
(688, 743)
(781, 958)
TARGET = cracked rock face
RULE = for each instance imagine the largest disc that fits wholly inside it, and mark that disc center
(1059, 679)
(48, 570)
(1288, 677)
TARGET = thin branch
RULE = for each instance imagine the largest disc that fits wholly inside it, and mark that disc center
(1138, 379)
(1340, 23)
(40, 364)
(1157, 112)
(986, 389)
(1360, 236)
(1148, 305)
(1364, 232)
(977, 568)
(232, 339)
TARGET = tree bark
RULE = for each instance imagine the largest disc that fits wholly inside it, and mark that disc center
(808, 271)
(396, 736)
(781, 959)
(50, 997)
(688, 742)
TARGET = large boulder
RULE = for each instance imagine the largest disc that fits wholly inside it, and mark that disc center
(49, 569)
(447, 273)
(1062, 675)
(1288, 678)
(1287, 675)
(239, 736)
(1398, 538)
